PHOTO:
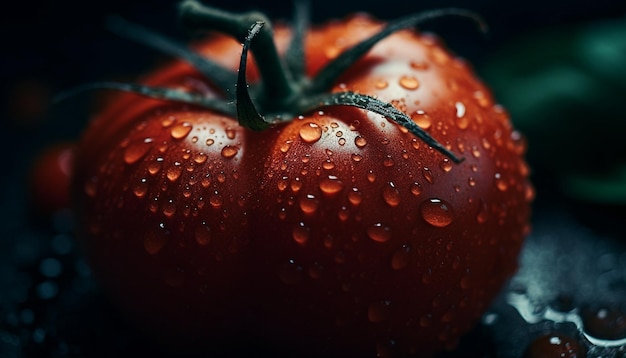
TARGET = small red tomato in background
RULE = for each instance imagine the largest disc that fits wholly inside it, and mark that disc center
(335, 233)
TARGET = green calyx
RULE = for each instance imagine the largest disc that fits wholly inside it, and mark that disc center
(285, 91)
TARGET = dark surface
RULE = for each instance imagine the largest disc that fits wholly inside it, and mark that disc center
(572, 279)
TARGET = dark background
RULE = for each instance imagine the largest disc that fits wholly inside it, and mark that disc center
(48, 47)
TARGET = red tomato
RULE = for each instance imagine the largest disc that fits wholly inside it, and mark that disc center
(335, 233)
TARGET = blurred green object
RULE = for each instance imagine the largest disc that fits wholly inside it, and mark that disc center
(565, 89)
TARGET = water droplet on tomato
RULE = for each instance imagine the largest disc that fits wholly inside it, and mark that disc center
(422, 119)
(379, 232)
(328, 164)
(155, 166)
(200, 158)
(416, 188)
(471, 181)
(483, 213)
(371, 177)
(500, 182)
(209, 142)
(169, 209)
(409, 82)
(330, 185)
(229, 151)
(181, 130)
(290, 273)
(203, 234)
(296, 185)
(357, 158)
(391, 195)
(168, 121)
(460, 109)
(137, 150)
(428, 175)
(355, 197)
(400, 258)
(554, 345)
(420, 66)
(310, 132)
(381, 84)
(173, 172)
(437, 212)
(445, 165)
(309, 204)
(154, 241)
(301, 233)
(141, 188)
(230, 133)
(378, 311)
(360, 141)
(388, 161)
(216, 200)
(607, 323)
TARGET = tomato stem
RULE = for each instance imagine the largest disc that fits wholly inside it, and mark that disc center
(278, 89)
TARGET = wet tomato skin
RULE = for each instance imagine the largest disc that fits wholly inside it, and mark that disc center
(336, 233)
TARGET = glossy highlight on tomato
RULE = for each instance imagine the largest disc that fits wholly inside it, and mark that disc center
(337, 232)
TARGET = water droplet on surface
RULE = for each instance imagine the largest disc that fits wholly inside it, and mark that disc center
(419, 65)
(141, 188)
(209, 142)
(371, 177)
(309, 204)
(301, 233)
(328, 164)
(356, 158)
(216, 200)
(400, 258)
(437, 212)
(379, 232)
(181, 130)
(173, 172)
(388, 161)
(378, 311)
(381, 84)
(483, 213)
(460, 109)
(136, 151)
(230, 133)
(428, 175)
(360, 141)
(500, 182)
(310, 132)
(416, 188)
(355, 197)
(391, 195)
(606, 323)
(330, 185)
(409, 82)
(154, 241)
(422, 119)
(203, 234)
(554, 345)
(200, 158)
(169, 208)
(445, 165)
(229, 151)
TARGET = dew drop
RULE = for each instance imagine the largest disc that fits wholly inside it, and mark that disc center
(173, 172)
(445, 165)
(200, 158)
(328, 164)
(310, 132)
(420, 66)
(460, 109)
(381, 84)
(428, 175)
(483, 213)
(462, 122)
(379, 232)
(500, 182)
(388, 161)
(371, 177)
(331, 185)
(409, 82)
(230, 133)
(360, 141)
(357, 158)
(136, 151)
(154, 241)
(471, 181)
(209, 142)
(169, 209)
(422, 119)
(155, 167)
(309, 204)
(203, 234)
(168, 121)
(437, 212)
(301, 233)
(378, 311)
(141, 188)
(400, 258)
(342, 141)
(229, 151)
(416, 188)
(216, 200)
(296, 185)
(181, 130)
(355, 197)
(391, 195)
(282, 184)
